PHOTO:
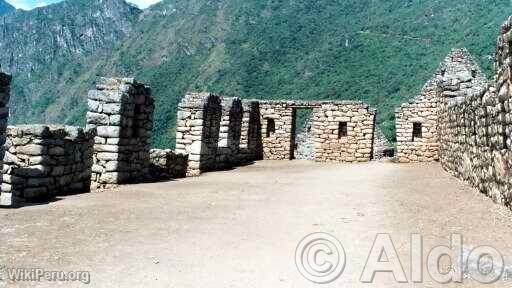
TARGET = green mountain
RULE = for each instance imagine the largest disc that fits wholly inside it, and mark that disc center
(45, 49)
(5, 7)
(378, 51)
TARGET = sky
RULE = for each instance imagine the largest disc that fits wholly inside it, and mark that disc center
(31, 4)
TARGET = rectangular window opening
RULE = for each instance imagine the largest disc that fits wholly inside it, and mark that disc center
(342, 130)
(417, 131)
(271, 127)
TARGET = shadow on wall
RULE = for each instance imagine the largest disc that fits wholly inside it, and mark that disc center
(212, 115)
(167, 165)
(255, 142)
(121, 109)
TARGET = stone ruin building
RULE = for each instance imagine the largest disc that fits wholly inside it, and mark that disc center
(219, 132)
(342, 131)
(460, 119)
(464, 121)
(416, 121)
(213, 133)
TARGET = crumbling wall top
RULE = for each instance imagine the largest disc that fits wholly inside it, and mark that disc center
(50, 131)
(199, 100)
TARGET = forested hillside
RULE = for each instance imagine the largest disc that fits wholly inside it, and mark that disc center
(381, 52)
(46, 50)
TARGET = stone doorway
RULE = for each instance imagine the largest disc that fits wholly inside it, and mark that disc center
(303, 142)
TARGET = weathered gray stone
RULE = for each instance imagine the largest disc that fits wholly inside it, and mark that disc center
(109, 131)
(32, 149)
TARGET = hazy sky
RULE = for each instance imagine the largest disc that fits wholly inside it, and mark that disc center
(31, 4)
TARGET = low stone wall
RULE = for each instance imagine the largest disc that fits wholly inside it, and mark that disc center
(166, 164)
(44, 161)
(354, 146)
(121, 109)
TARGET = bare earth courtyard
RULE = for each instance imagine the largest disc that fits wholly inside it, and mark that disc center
(240, 228)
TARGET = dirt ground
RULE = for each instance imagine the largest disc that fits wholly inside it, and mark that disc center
(241, 228)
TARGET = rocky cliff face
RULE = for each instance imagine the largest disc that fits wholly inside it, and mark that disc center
(50, 44)
(31, 40)
(5, 7)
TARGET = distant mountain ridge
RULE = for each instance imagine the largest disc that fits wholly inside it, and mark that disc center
(381, 52)
(44, 45)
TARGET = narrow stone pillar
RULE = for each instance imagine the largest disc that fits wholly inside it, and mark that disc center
(251, 147)
(197, 132)
(121, 109)
(230, 133)
(5, 94)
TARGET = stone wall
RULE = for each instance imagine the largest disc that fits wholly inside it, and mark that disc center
(422, 110)
(44, 161)
(277, 130)
(5, 94)
(251, 146)
(331, 145)
(121, 109)
(475, 130)
(198, 130)
(166, 164)
(458, 70)
(228, 152)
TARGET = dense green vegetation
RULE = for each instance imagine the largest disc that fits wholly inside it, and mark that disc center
(381, 52)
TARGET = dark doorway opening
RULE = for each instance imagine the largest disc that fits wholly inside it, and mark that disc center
(303, 145)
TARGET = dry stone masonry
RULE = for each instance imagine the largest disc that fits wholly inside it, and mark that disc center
(251, 146)
(44, 161)
(121, 110)
(469, 121)
(416, 121)
(230, 133)
(278, 123)
(475, 130)
(198, 130)
(166, 164)
(344, 131)
(459, 118)
(5, 94)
